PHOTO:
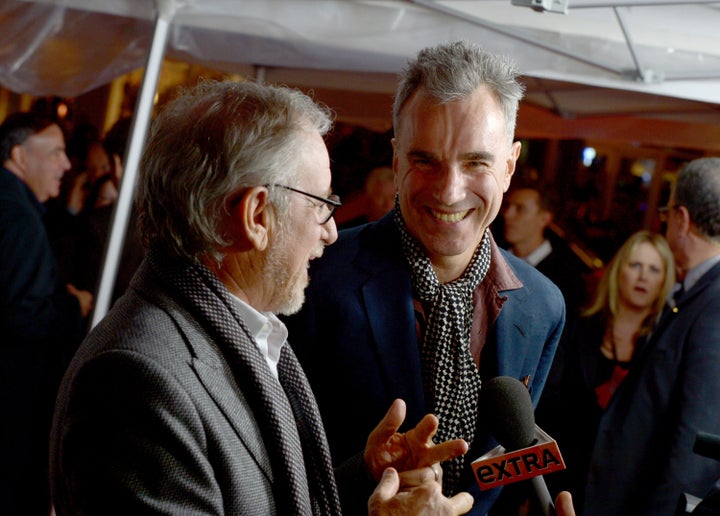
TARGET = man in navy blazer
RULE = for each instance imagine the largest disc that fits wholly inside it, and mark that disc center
(40, 316)
(367, 334)
(643, 458)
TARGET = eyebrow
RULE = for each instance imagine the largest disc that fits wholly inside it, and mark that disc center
(479, 156)
(420, 154)
(469, 156)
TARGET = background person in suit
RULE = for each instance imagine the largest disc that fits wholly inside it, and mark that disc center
(376, 199)
(186, 398)
(527, 215)
(422, 305)
(643, 458)
(598, 351)
(40, 316)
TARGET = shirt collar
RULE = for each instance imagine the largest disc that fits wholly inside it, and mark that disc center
(697, 272)
(539, 254)
(268, 332)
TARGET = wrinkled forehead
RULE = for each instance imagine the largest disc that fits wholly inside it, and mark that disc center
(475, 116)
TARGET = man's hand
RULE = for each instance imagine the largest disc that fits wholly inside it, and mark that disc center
(84, 297)
(564, 505)
(414, 449)
(425, 498)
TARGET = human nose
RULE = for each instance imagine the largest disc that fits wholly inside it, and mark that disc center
(65, 162)
(329, 231)
(451, 187)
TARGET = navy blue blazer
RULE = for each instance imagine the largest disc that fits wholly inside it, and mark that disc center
(356, 337)
(643, 458)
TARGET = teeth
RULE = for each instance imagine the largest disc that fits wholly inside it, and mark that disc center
(450, 217)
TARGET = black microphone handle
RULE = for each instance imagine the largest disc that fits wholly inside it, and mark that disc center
(707, 445)
(543, 496)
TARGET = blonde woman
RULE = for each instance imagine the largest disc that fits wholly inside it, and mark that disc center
(597, 350)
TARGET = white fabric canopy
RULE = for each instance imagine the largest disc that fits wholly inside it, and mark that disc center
(640, 49)
(66, 47)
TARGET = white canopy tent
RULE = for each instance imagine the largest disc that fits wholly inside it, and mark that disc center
(663, 47)
(642, 51)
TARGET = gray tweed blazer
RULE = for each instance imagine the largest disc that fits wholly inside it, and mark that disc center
(150, 420)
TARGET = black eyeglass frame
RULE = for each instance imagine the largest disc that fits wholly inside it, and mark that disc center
(332, 202)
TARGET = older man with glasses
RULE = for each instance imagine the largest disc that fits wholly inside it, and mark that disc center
(186, 398)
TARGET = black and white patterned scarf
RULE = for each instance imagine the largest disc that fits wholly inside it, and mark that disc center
(451, 380)
(304, 482)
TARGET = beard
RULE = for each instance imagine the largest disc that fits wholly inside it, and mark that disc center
(288, 288)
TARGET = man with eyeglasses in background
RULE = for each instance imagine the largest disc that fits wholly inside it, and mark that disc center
(643, 461)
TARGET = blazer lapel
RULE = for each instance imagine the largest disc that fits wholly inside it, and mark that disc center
(387, 296)
(212, 371)
(231, 401)
(661, 326)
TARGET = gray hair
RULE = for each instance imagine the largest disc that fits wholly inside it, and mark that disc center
(454, 71)
(17, 128)
(209, 144)
(698, 189)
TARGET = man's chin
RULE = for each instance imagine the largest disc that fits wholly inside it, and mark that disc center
(292, 306)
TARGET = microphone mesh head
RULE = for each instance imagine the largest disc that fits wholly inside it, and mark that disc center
(505, 403)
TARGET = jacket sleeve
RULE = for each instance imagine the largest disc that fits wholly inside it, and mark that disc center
(129, 440)
(698, 385)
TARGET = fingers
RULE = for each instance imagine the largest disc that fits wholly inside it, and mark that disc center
(445, 451)
(461, 503)
(437, 471)
(393, 497)
(564, 505)
(386, 489)
(419, 476)
(426, 428)
(423, 434)
(389, 424)
(85, 298)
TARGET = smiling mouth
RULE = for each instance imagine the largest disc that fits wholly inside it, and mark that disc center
(449, 217)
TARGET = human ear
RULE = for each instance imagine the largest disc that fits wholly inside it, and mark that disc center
(684, 223)
(511, 162)
(18, 156)
(252, 218)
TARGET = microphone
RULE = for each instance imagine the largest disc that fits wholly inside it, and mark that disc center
(525, 452)
(707, 445)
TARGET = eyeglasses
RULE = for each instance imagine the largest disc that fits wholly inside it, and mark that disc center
(325, 210)
(663, 212)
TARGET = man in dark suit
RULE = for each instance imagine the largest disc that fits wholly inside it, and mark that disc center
(422, 304)
(643, 458)
(40, 317)
(186, 398)
(528, 213)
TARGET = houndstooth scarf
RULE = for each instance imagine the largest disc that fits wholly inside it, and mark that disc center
(304, 481)
(450, 377)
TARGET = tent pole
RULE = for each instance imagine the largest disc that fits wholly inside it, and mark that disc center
(641, 74)
(511, 33)
(141, 122)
